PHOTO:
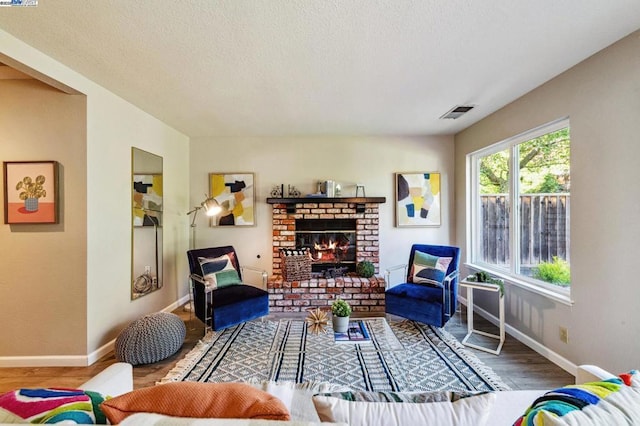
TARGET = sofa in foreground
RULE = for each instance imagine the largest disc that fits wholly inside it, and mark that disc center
(609, 400)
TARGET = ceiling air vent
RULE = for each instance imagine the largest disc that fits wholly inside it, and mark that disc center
(458, 111)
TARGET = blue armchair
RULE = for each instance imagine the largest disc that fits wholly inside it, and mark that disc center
(220, 298)
(433, 300)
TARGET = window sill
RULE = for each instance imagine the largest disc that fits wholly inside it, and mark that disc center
(560, 297)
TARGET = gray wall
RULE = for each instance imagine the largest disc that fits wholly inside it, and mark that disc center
(602, 97)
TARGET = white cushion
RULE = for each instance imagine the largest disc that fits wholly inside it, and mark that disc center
(151, 419)
(469, 411)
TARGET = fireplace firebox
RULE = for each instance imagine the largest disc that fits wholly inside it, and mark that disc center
(331, 244)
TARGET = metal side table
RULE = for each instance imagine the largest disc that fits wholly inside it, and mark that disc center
(470, 286)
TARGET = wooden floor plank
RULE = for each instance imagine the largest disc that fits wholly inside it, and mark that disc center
(518, 366)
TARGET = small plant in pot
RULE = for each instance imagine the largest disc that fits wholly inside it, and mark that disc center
(340, 318)
(365, 269)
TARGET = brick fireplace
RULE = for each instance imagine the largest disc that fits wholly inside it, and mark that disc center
(364, 294)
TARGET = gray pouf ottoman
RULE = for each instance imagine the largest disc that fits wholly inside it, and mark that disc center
(151, 338)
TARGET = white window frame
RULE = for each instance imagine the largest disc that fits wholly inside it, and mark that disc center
(557, 293)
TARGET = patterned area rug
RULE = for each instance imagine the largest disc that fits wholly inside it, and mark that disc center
(403, 356)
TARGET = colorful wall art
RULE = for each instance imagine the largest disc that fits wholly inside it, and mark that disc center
(30, 192)
(147, 200)
(418, 199)
(235, 192)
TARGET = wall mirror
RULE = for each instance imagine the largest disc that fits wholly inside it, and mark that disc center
(146, 223)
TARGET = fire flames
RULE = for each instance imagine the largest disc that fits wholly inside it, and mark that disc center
(330, 252)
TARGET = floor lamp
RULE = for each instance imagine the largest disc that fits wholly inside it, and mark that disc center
(211, 208)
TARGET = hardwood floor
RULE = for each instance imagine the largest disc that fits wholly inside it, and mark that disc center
(518, 366)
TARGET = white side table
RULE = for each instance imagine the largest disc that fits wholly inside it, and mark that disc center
(470, 286)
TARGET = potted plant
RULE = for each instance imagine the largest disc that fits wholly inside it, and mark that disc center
(365, 269)
(483, 277)
(31, 192)
(340, 318)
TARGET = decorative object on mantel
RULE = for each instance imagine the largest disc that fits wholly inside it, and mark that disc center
(418, 199)
(292, 191)
(317, 321)
(483, 277)
(277, 190)
(340, 318)
(30, 192)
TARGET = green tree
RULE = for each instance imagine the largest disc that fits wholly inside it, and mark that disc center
(542, 161)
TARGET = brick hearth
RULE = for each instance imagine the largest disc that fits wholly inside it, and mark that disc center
(364, 294)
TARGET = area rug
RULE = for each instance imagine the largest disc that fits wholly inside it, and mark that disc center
(414, 357)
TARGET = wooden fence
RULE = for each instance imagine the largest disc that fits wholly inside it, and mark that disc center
(544, 228)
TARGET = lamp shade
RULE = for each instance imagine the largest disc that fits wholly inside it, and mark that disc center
(211, 207)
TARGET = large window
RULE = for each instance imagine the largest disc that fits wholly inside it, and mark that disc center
(520, 204)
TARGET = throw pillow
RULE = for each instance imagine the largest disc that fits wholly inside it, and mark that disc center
(429, 269)
(395, 408)
(297, 396)
(199, 400)
(51, 405)
(609, 402)
(219, 272)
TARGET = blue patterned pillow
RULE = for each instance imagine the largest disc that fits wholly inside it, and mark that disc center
(219, 272)
(428, 269)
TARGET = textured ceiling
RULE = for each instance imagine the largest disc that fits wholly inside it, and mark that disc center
(320, 67)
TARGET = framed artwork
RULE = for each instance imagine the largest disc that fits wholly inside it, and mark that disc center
(147, 199)
(30, 192)
(418, 199)
(235, 192)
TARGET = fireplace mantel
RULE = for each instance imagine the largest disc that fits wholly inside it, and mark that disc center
(358, 201)
(292, 200)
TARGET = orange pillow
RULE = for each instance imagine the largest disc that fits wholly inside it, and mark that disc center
(197, 400)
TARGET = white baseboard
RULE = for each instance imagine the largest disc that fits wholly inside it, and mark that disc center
(552, 356)
(72, 360)
(44, 361)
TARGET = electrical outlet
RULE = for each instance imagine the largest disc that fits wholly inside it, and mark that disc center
(564, 335)
(147, 269)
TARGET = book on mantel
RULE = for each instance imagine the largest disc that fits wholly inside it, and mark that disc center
(356, 333)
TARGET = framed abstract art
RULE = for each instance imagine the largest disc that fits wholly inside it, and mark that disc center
(235, 192)
(418, 199)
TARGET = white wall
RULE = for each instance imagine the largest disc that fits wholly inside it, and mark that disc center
(301, 162)
(602, 98)
(113, 127)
